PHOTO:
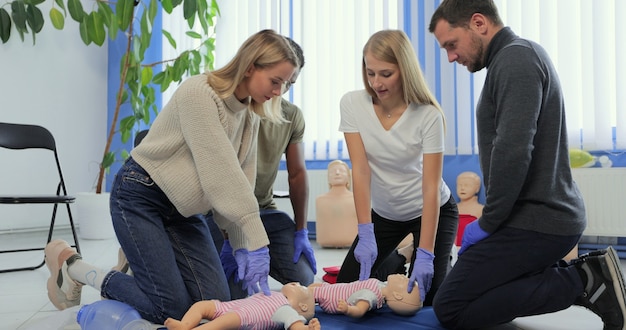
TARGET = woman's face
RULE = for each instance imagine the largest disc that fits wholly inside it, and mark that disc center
(265, 83)
(337, 175)
(383, 77)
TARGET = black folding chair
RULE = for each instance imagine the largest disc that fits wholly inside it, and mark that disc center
(22, 137)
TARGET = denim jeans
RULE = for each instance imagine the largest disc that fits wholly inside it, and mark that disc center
(390, 233)
(280, 229)
(173, 258)
(509, 274)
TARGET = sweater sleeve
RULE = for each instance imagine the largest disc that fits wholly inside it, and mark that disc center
(516, 83)
(200, 162)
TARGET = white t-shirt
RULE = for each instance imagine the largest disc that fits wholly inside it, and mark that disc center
(395, 156)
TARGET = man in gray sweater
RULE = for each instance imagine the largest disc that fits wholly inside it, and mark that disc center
(510, 263)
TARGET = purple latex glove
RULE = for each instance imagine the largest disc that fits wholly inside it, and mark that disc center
(253, 268)
(423, 272)
(366, 249)
(472, 235)
(228, 261)
(302, 245)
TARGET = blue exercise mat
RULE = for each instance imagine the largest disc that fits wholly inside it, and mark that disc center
(378, 319)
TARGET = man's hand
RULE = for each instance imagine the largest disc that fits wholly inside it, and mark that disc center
(472, 235)
(228, 261)
(302, 245)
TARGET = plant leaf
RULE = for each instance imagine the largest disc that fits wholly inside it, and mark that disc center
(95, 28)
(34, 2)
(145, 24)
(106, 12)
(108, 159)
(167, 6)
(57, 19)
(189, 9)
(153, 8)
(19, 14)
(176, 3)
(146, 75)
(194, 34)
(60, 4)
(34, 18)
(19, 17)
(76, 10)
(84, 32)
(169, 38)
(5, 25)
(124, 12)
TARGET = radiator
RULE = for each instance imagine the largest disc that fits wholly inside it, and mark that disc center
(603, 192)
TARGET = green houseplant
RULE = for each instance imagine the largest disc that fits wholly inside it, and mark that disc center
(131, 22)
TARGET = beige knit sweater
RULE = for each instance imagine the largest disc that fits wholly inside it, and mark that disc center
(201, 151)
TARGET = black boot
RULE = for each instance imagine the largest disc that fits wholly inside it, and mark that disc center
(604, 290)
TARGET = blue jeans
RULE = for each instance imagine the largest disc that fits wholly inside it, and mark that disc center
(173, 258)
(390, 233)
(510, 274)
(280, 229)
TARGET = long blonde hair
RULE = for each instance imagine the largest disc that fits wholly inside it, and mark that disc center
(263, 49)
(394, 46)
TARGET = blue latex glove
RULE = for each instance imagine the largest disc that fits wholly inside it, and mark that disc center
(228, 261)
(253, 268)
(423, 272)
(302, 245)
(472, 235)
(366, 250)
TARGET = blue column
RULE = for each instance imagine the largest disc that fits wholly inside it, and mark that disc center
(116, 51)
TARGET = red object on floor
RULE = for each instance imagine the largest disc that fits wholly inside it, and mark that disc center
(331, 274)
(464, 220)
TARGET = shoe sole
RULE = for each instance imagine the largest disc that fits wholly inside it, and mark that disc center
(55, 269)
(617, 278)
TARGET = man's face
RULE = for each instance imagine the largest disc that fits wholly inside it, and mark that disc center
(287, 85)
(463, 45)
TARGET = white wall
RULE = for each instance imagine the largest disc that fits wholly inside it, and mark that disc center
(61, 84)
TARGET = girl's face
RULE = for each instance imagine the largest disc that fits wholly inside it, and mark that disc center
(263, 84)
(383, 77)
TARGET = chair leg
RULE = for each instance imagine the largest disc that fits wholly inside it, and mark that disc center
(50, 234)
(69, 214)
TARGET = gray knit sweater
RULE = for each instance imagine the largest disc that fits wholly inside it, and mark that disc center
(523, 146)
(201, 151)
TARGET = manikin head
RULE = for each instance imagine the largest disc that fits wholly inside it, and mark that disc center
(398, 299)
(338, 174)
(467, 185)
(300, 298)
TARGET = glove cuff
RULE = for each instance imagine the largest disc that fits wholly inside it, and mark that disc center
(424, 254)
(366, 228)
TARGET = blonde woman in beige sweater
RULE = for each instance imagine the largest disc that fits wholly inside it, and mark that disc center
(199, 156)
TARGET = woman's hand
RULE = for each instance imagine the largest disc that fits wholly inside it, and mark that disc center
(253, 269)
(366, 250)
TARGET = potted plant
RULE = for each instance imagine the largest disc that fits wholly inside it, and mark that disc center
(128, 22)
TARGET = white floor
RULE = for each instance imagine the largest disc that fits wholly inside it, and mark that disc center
(24, 302)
